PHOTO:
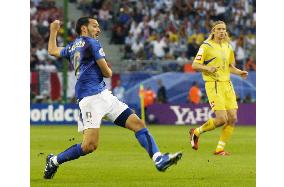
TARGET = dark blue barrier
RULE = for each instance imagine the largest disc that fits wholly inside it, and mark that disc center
(128, 80)
(178, 84)
(49, 114)
(56, 114)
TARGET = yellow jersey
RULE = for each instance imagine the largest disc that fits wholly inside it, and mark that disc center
(218, 55)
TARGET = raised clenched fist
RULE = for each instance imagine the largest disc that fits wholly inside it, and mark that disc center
(55, 26)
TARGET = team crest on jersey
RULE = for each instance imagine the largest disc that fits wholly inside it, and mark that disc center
(198, 57)
(101, 51)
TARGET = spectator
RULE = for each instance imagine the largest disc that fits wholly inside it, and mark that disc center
(159, 46)
(182, 59)
(33, 8)
(127, 48)
(118, 91)
(41, 52)
(33, 59)
(220, 10)
(187, 68)
(250, 65)
(143, 25)
(171, 41)
(194, 94)
(154, 22)
(96, 5)
(248, 99)
(137, 15)
(168, 55)
(134, 29)
(234, 42)
(161, 93)
(84, 5)
(137, 48)
(182, 44)
(118, 35)
(104, 16)
(124, 17)
(149, 99)
(240, 55)
(192, 48)
(149, 52)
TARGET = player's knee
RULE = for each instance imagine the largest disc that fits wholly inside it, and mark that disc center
(232, 120)
(134, 123)
(139, 124)
(221, 120)
(89, 148)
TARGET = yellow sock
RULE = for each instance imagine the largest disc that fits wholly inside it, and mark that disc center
(220, 146)
(208, 126)
(226, 133)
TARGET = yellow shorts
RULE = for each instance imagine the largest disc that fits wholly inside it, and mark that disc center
(221, 95)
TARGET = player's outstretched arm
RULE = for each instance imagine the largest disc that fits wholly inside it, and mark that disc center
(106, 71)
(52, 45)
(237, 71)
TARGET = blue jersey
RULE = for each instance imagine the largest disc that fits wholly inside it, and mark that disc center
(83, 53)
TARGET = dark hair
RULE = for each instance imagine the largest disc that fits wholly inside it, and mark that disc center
(82, 21)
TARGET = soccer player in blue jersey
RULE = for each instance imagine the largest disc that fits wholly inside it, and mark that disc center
(86, 55)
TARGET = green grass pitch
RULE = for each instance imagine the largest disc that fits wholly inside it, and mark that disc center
(121, 161)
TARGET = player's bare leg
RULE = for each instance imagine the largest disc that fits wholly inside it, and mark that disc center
(226, 132)
(90, 140)
(194, 133)
(134, 123)
(146, 140)
(89, 144)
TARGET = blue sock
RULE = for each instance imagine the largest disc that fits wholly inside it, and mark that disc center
(147, 141)
(72, 153)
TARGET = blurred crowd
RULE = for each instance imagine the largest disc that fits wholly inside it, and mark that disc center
(151, 29)
(42, 13)
(174, 30)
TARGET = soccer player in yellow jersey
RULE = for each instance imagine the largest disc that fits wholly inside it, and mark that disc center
(215, 59)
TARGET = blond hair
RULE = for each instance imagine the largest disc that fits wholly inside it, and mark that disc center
(211, 35)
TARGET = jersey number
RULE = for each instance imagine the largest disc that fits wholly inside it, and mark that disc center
(76, 63)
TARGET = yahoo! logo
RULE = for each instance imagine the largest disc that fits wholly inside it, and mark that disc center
(191, 116)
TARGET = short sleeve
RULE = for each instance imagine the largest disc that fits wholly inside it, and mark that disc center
(201, 54)
(65, 51)
(97, 49)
